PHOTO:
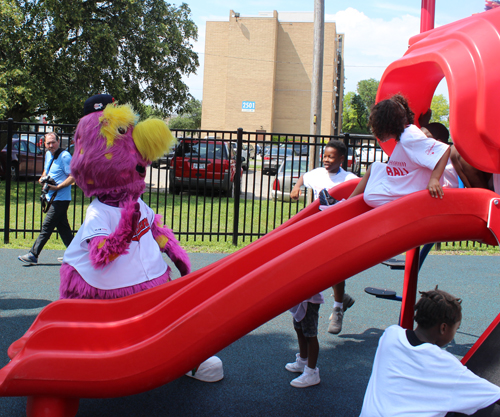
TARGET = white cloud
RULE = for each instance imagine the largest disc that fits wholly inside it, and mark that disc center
(371, 44)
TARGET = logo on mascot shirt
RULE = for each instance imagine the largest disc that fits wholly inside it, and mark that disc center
(142, 228)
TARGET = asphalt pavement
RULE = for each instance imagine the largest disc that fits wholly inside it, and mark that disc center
(256, 382)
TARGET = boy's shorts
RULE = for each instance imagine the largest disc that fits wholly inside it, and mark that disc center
(309, 324)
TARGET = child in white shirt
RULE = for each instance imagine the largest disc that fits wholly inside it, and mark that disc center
(328, 176)
(412, 375)
(417, 162)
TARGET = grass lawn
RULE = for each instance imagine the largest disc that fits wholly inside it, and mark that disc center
(202, 223)
(210, 218)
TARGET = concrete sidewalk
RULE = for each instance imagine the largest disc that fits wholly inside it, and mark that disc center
(256, 382)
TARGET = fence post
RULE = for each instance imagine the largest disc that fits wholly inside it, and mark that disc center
(346, 143)
(237, 185)
(8, 179)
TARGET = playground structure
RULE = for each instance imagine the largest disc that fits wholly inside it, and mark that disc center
(94, 349)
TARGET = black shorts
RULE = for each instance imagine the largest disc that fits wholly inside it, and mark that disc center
(309, 324)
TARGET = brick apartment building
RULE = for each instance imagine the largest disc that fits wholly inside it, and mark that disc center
(258, 73)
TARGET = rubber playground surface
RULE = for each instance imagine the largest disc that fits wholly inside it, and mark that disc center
(256, 382)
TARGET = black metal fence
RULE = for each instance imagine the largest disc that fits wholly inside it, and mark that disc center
(215, 186)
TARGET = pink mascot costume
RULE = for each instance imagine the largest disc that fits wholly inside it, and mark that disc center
(117, 250)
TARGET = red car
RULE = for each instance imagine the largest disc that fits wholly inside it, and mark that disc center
(27, 160)
(202, 164)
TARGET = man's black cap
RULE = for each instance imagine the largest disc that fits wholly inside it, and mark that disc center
(97, 103)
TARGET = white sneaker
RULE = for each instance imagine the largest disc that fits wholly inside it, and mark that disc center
(209, 371)
(298, 365)
(308, 378)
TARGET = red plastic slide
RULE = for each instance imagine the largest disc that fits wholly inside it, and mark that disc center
(124, 354)
(466, 53)
(107, 311)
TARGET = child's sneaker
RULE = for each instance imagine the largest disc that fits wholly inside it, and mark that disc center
(297, 366)
(325, 199)
(347, 301)
(335, 326)
(308, 378)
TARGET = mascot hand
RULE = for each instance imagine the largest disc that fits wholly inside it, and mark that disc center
(168, 244)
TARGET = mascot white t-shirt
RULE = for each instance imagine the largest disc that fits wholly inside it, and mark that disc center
(143, 262)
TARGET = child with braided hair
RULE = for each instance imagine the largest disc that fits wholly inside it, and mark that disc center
(412, 375)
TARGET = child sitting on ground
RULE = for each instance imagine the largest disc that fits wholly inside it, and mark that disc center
(326, 177)
(417, 162)
(412, 375)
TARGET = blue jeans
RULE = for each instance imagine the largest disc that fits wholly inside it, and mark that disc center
(57, 216)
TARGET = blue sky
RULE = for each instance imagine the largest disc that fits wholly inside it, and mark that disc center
(376, 32)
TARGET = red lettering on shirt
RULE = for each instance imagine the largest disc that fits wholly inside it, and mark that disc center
(396, 172)
(141, 229)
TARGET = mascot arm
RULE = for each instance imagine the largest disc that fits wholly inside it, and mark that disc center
(168, 244)
(104, 250)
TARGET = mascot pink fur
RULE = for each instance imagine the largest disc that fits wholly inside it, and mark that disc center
(117, 251)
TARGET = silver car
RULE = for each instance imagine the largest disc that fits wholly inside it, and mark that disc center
(288, 174)
(273, 160)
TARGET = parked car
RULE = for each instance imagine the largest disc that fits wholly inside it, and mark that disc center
(370, 155)
(164, 160)
(202, 164)
(287, 176)
(275, 158)
(249, 151)
(352, 161)
(244, 155)
(27, 160)
(36, 138)
(301, 149)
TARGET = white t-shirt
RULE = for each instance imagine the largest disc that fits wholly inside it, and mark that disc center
(320, 178)
(449, 178)
(423, 381)
(317, 180)
(408, 170)
(143, 262)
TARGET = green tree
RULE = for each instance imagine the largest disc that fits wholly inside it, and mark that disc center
(348, 114)
(367, 89)
(57, 53)
(354, 115)
(440, 110)
(357, 106)
(190, 118)
(361, 112)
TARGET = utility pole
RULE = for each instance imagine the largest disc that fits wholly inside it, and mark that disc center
(317, 79)
(317, 74)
